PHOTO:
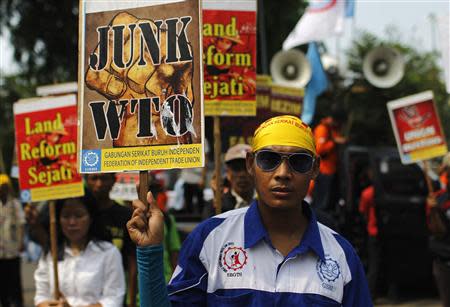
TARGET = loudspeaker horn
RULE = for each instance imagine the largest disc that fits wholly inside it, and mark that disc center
(290, 68)
(329, 63)
(383, 67)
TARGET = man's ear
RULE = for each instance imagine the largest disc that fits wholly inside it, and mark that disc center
(316, 167)
(249, 160)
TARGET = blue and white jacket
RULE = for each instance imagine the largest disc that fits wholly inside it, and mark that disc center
(228, 260)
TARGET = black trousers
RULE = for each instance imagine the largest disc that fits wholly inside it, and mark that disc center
(374, 263)
(441, 272)
(10, 283)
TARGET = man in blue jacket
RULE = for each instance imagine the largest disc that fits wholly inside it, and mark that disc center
(272, 253)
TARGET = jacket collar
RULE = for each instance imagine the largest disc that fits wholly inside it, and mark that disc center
(255, 231)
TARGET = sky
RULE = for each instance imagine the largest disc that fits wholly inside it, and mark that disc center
(6, 56)
(410, 17)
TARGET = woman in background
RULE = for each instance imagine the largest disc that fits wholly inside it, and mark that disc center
(90, 268)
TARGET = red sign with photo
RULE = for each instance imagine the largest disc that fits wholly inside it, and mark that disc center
(229, 59)
(417, 128)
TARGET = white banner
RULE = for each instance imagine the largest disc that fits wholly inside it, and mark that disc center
(322, 19)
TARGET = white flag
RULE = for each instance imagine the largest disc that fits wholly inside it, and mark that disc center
(322, 19)
(444, 33)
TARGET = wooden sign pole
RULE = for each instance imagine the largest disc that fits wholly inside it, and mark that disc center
(217, 165)
(427, 178)
(54, 247)
(143, 186)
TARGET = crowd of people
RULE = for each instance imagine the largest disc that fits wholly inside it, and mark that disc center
(269, 247)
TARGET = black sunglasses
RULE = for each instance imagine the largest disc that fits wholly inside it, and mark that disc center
(299, 162)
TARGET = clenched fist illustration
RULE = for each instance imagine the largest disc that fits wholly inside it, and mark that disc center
(132, 69)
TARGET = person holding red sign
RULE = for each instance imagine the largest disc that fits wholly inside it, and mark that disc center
(112, 215)
(90, 268)
(438, 218)
(272, 253)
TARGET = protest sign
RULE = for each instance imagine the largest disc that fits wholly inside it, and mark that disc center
(57, 89)
(229, 47)
(417, 127)
(140, 85)
(46, 145)
(272, 100)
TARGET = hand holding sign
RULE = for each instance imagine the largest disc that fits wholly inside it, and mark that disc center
(146, 226)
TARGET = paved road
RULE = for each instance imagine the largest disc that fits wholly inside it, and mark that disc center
(28, 288)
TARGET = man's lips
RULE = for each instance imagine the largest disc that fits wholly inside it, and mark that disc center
(282, 191)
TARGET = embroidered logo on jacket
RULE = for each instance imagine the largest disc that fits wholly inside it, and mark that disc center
(232, 259)
(328, 272)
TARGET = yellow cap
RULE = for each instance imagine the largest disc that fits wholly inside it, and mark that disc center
(4, 179)
(285, 130)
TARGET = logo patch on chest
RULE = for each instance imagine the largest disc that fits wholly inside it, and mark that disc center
(232, 259)
(328, 271)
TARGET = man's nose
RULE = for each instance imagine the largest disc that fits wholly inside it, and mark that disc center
(73, 220)
(283, 170)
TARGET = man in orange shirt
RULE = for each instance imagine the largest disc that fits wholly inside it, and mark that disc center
(328, 136)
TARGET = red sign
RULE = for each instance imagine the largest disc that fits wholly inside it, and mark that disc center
(46, 142)
(417, 128)
(229, 59)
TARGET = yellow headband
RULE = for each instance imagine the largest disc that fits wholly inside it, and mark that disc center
(285, 130)
(4, 179)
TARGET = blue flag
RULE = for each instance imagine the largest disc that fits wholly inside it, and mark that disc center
(316, 86)
(349, 8)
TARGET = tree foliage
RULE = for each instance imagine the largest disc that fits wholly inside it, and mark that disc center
(12, 88)
(280, 19)
(44, 35)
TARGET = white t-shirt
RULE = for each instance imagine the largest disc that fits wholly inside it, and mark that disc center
(94, 276)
